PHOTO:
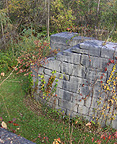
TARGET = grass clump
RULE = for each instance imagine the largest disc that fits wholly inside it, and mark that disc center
(38, 123)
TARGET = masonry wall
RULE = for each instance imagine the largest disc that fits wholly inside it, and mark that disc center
(82, 66)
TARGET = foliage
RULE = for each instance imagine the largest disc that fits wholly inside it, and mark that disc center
(28, 84)
(4, 21)
(34, 56)
(7, 62)
(60, 15)
(27, 12)
(63, 14)
(109, 14)
(27, 119)
(5, 28)
(29, 18)
(47, 91)
(108, 109)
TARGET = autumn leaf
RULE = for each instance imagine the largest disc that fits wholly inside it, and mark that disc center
(101, 77)
(68, 29)
(109, 137)
(102, 136)
(2, 73)
(115, 134)
(15, 124)
(0, 118)
(58, 140)
(4, 125)
(55, 142)
(10, 121)
(106, 69)
(98, 142)
(88, 124)
(92, 139)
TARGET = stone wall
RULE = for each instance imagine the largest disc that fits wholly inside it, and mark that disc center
(82, 66)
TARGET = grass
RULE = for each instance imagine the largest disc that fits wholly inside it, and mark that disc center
(34, 119)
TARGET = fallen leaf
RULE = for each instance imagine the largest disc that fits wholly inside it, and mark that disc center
(0, 118)
(109, 137)
(10, 121)
(2, 73)
(58, 140)
(1, 141)
(15, 124)
(88, 124)
(98, 142)
(92, 139)
(4, 125)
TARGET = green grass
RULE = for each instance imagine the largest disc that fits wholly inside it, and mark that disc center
(33, 120)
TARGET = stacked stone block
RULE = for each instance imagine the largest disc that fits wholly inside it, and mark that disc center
(80, 70)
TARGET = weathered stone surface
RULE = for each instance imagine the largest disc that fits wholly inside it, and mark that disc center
(86, 61)
(65, 95)
(93, 47)
(60, 57)
(78, 39)
(99, 63)
(77, 49)
(114, 124)
(71, 57)
(66, 68)
(7, 137)
(72, 87)
(80, 70)
(41, 70)
(67, 105)
(83, 110)
(108, 50)
(77, 99)
(94, 103)
(58, 46)
(88, 102)
(84, 91)
(62, 37)
(53, 64)
(95, 74)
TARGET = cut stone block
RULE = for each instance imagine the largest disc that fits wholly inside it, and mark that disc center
(71, 57)
(77, 49)
(52, 64)
(108, 50)
(68, 105)
(66, 68)
(72, 87)
(93, 47)
(83, 110)
(79, 71)
(86, 61)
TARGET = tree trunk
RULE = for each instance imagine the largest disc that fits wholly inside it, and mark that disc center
(48, 19)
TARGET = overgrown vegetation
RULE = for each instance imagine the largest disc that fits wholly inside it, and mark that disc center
(29, 118)
(24, 43)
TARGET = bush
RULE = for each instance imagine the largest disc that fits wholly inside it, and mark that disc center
(7, 61)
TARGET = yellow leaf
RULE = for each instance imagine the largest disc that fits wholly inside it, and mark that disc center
(4, 125)
(112, 101)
